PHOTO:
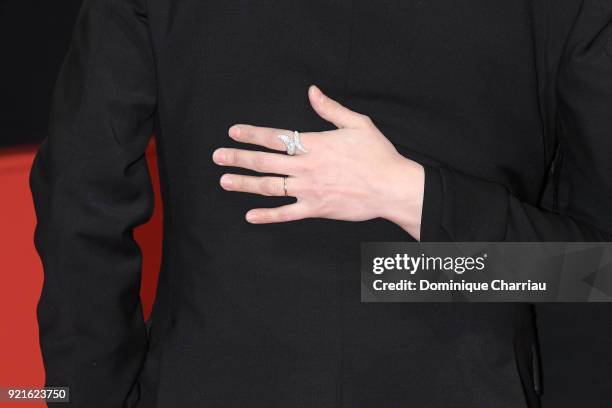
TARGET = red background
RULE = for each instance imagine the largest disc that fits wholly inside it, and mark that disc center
(21, 273)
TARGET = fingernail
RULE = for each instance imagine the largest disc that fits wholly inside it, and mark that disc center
(251, 217)
(316, 93)
(226, 181)
(234, 131)
(219, 156)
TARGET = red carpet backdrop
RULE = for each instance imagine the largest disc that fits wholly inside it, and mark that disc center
(21, 274)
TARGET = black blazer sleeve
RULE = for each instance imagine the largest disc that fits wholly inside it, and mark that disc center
(460, 207)
(91, 187)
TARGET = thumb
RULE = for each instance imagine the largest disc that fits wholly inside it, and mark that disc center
(334, 112)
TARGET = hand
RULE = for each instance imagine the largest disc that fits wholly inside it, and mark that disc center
(353, 173)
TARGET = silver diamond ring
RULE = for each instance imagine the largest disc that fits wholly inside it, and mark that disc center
(293, 144)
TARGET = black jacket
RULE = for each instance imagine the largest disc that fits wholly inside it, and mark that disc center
(488, 96)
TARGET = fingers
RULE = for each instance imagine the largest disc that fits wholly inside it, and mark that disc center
(285, 213)
(267, 186)
(266, 137)
(334, 112)
(261, 136)
(261, 162)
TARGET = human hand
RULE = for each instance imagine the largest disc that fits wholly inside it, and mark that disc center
(353, 173)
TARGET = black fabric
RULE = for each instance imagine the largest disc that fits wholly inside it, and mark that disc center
(34, 36)
(483, 94)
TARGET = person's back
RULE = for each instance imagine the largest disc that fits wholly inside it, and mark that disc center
(269, 314)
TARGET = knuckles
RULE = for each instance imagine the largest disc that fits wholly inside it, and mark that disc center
(364, 120)
(260, 162)
(269, 187)
(284, 216)
(304, 164)
(231, 156)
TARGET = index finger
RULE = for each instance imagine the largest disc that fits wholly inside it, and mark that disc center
(265, 136)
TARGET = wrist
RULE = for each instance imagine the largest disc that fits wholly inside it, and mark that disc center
(403, 201)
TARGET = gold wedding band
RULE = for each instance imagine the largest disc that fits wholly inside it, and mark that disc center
(285, 185)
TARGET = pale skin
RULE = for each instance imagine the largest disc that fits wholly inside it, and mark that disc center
(352, 173)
